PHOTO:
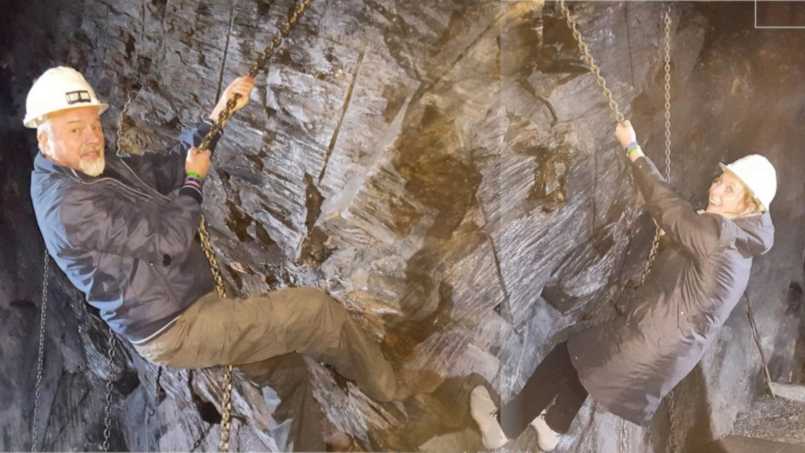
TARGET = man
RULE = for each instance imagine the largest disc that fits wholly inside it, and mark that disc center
(123, 232)
(629, 364)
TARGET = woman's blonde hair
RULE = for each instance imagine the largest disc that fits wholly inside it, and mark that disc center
(749, 199)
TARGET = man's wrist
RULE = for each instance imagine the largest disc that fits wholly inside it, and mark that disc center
(633, 150)
(192, 187)
(194, 175)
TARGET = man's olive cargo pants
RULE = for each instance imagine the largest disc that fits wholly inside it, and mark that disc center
(241, 331)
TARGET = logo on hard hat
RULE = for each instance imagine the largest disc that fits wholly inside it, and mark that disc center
(77, 97)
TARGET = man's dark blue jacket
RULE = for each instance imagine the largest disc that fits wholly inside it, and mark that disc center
(126, 239)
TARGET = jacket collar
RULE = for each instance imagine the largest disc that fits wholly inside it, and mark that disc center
(755, 234)
(44, 165)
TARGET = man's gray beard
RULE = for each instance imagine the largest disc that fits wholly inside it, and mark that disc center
(92, 167)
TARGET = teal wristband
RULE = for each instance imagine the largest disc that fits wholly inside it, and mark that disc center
(193, 174)
(632, 149)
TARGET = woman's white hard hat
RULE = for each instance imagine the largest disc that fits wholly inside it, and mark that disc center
(758, 175)
(59, 88)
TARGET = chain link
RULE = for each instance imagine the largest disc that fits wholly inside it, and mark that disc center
(258, 66)
(655, 244)
(673, 416)
(588, 58)
(226, 403)
(618, 116)
(215, 130)
(107, 411)
(40, 362)
(215, 269)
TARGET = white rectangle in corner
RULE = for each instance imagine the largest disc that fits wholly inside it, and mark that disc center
(779, 15)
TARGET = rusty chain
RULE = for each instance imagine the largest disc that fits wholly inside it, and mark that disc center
(220, 289)
(655, 244)
(215, 130)
(618, 116)
(588, 58)
(258, 66)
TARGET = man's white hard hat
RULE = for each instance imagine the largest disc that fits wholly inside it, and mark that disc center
(758, 175)
(59, 88)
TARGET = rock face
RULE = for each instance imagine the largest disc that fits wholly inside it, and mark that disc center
(444, 169)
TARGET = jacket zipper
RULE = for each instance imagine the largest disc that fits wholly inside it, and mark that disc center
(119, 183)
(158, 271)
(135, 191)
(137, 177)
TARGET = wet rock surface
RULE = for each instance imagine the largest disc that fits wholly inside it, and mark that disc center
(446, 170)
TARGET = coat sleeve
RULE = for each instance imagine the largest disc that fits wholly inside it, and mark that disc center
(697, 234)
(95, 220)
(166, 169)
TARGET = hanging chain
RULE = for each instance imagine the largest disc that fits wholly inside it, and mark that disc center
(655, 244)
(258, 66)
(756, 338)
(107, 410)
(35, 436)
(226, 403)
(588, 58)
(214, 267)
(215, 130)
(40, 362)
(673, 422)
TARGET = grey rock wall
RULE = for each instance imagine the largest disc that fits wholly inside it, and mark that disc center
(446, 170)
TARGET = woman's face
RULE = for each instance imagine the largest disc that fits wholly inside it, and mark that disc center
(728, 197)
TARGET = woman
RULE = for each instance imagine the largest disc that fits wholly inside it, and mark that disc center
(629, 364)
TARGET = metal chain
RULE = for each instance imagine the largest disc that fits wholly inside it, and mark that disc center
(673, 417)
(226, 403)
(40, 366)
(215, 130)
(756, 338)
(107, 411)
(655, 244)
(206, 246)
(588, 58)
(40, 362)
(258, 66)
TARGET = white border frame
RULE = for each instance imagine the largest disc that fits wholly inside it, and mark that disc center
(776, 27)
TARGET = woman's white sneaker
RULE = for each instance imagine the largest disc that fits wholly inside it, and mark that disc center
(547, 439)
(483, 411)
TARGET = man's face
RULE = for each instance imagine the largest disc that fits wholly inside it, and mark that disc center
(728, 197)
(74, 139)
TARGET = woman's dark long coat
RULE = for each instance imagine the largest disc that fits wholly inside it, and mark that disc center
(628, 365)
